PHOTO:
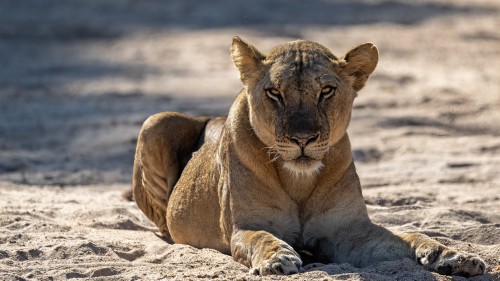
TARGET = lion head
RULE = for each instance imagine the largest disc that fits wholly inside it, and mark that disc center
(300, 97)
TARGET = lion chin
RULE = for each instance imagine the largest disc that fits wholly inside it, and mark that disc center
(303, 166)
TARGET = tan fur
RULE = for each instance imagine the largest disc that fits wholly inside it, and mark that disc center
(277, 177)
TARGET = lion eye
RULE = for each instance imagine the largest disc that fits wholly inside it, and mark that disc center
(274, 94)
(327, 91)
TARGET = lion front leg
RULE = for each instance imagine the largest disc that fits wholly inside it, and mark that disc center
(368, 243)
(264, 253)
(437, 257)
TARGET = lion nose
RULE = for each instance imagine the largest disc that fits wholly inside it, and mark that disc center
(303, 140)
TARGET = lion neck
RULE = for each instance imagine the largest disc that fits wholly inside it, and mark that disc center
(252, 152)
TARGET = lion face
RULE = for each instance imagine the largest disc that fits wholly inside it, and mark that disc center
(300, 97)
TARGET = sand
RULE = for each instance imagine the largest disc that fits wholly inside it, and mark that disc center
(77, 81)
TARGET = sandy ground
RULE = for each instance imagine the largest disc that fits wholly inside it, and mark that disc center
(77, 79)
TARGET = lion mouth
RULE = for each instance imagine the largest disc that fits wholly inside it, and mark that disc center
(303, 166)
(303, 159)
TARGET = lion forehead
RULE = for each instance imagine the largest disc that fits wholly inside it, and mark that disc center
(299, 62)
(299, 79)
(301, 65)
(300, 47)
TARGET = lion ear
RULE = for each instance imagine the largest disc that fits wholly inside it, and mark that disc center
(247, 59)
(359, 63)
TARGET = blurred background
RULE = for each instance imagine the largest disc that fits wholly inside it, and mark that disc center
(78, 78)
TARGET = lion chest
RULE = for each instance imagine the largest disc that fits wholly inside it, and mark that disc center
(286, 224)
(285, 219)
(297, 190)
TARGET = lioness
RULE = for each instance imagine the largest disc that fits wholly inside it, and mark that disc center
(277, 176)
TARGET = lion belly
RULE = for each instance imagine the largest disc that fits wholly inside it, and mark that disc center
(193, 213)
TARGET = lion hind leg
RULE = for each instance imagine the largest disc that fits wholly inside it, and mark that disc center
(166, 140)
(152, 192)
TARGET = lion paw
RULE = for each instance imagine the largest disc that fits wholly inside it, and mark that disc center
(283, 262)
(450, 262)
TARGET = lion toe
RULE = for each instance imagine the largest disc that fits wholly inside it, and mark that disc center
(462, 264)
(450, 262)
(281, 263)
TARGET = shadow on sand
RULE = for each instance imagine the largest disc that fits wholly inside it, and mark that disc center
(50, 136)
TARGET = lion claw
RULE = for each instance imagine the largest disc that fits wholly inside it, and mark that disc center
(281, 263)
